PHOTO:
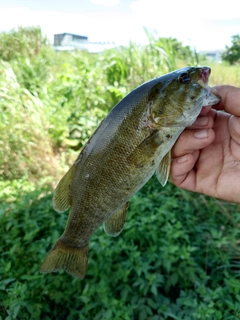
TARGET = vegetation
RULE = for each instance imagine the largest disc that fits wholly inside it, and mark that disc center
(232, 54)
(178, 255)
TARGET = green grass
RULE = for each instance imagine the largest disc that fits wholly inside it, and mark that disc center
(177, 258)
(225, 74)
(178, 255)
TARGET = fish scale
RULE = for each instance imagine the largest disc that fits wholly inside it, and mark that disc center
(130, 144)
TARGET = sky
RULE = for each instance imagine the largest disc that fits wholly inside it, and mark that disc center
(205, 24)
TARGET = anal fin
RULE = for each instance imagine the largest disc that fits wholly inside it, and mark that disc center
(114, 225)
(163, 170)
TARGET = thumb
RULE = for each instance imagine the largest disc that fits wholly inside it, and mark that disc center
(230, 101)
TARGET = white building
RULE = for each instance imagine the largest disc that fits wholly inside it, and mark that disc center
(70, 41)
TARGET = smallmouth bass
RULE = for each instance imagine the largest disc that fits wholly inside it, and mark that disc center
(132, 143)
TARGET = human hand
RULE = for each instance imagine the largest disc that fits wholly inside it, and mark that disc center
(206, 157)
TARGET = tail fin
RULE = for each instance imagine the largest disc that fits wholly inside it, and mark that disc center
(61, 256)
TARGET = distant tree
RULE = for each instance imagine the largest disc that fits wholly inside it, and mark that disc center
(232, 54)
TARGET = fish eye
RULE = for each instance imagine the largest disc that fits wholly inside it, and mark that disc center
(184, 78)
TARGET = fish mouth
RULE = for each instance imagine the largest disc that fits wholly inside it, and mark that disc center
(203, 82)
(215, 93)
(205, 73)
(204, 76)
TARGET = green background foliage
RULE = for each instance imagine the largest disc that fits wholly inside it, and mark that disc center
(178, 255)
(232, 53)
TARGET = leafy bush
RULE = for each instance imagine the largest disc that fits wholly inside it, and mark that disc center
(23, 42)
(176, 258)
(232, 53)
(25, 144)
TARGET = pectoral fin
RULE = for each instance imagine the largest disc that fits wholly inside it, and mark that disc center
(163, 170)
(114, 225)
(62, 196)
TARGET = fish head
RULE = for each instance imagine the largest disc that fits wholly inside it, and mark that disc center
(178, 97)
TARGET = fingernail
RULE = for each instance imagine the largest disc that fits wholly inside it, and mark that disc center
(183, 159)
(202, 121)
(201, 134)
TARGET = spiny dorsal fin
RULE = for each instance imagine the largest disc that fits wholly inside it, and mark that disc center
(62, 195)
(163, 170)
(114, 225)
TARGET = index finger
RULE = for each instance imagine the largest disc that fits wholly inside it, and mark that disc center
(230, 101)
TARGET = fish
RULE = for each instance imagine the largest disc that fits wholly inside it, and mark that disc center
(132, 143)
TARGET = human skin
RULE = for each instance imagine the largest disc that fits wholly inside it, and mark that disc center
(206, 157)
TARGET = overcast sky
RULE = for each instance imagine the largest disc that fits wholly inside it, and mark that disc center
(207, 24)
